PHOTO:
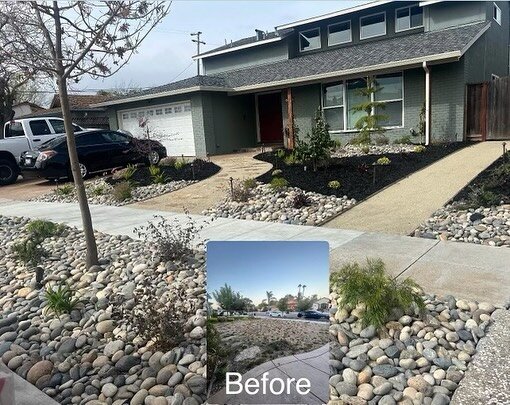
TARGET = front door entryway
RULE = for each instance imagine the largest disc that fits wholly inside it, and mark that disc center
(270, 118)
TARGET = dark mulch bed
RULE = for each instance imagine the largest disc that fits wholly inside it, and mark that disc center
(355, 174)
(494, 180)
(201, 170)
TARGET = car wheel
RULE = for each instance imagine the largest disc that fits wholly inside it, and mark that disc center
(8, 172)
(84, 171)
(153, 157)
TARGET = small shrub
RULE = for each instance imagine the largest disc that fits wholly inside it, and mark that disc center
(29, 251)
(278, 183)
(41, 229)
(419, 149)
(239, 192)
(128, 172)
(481, 196)
(365, 149)
(179, 164)
(64, 189)
(122, 191)
(376, 291)
(60, 300)
(383, 161)
(381, 140)
(291, 159)
(249, 183)
(280, 153)
(98, 190)
(199, 164)
(157, 176)
(276, 173)
(168, 161)
(172, 240)
(337, 144)
(334, 184)
(405, 140)
(362, 138)
(300, 200)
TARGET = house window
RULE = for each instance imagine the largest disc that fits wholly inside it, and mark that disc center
(168, 110)
(309, 40)
(372, 25)
(159, 111)
(339, 33)
(496, 13)
(132, 115)
(408, 17)
(125, 116)
(338, 100)
(178, 109)
(333, 106)
(150, 112)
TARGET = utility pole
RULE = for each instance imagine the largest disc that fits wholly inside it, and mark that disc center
(198, 42)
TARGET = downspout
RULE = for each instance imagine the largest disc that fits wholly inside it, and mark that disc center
(427, 103)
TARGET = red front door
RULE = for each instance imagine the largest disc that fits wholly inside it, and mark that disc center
(270, 118)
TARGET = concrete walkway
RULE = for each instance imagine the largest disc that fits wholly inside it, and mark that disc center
(465, 270)
(400, 208)
(313, 366)
(486, 380)
(207, 193)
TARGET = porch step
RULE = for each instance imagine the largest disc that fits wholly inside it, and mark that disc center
(475, 138)
(261, 148)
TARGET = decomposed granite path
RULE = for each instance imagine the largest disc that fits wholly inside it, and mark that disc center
(401, 207)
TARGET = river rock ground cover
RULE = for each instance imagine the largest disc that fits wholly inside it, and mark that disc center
(479, 213)
(412, 360)
(355, 173)
(249, 342)
(93, 355)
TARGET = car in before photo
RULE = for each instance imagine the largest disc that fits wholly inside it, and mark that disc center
(26, 134)
(275, 314)
(313, 315)
(98, 151)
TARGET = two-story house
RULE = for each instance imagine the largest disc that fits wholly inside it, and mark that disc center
(421, 54)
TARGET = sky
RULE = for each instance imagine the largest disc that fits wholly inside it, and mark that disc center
(165, 55)
(252, 268)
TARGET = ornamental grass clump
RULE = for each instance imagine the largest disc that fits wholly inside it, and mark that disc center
(279, 183)
(157, 177)
(60, 300)
(122, 191)
(64, 190)
(334, 184)
(378, 293)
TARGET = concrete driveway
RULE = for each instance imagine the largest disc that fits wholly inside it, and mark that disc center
(26, 188)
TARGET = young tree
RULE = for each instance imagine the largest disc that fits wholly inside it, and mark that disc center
(282, 305)
(68, 40)
(304, 304)
(230, 300)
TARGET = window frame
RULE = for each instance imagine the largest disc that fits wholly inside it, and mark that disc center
(409, 8)
(345, 109)
(497, 10)
(331, 107)
(377, 35)
(310, 30)
(350, 33)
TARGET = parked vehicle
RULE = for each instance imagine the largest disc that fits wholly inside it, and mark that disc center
(24, 134)
(98, 151)
(313, 315)
(275, 314)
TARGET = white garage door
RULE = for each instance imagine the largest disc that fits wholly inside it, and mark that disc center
(171, 124)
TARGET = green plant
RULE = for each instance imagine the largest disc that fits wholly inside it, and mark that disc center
(369, 122)
(419, 149)
(60, 300)
(334, 184)
(278, 183)
(280, 153)
(157, 176)
(179, 164)
(363, 139)
(291, 159)
(122, 191)
(337, 144)
(249, 183)
(316, 148)
(168, 161)
(381, 139)
(128, 172)
(481, 196)
(41, 229)
(375, 291)
(300, 200)
(276, 173)
(383, 161)
(29, 251)
(64, 189)
(239, 192)
(405, 140)
(304, 304)
(97, 190)
(365, 149)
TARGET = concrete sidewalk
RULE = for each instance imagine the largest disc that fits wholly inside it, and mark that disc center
(465, 270)
(402, 207)
(313, 366)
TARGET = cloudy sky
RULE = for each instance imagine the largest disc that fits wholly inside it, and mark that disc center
(165, 56)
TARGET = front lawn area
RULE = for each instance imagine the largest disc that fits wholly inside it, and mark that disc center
(355, 173)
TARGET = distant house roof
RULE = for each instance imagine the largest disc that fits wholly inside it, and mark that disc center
(33, 106)
(385, 54)
(81, 101)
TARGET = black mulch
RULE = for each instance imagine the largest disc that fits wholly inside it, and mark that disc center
(201, 170)
(355, 174)
(494, 179)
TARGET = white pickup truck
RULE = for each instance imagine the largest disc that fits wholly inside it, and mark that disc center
(26, 134)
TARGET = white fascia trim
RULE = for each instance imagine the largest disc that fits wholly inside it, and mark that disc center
(333, 14)
(428, 3)
(475, 38)
(448, 56)
(237, 48)
(162, 94)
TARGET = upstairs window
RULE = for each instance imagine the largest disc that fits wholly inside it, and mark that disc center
(407, 18)
(339, 33)
(496, 13)
(309, 40)
(372, 25)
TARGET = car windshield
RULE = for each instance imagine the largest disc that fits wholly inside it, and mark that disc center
(52, 143)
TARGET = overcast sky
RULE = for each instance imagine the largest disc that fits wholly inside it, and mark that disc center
(165, 56)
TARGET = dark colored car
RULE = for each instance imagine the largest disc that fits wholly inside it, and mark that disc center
(98, 151)
(313, 315)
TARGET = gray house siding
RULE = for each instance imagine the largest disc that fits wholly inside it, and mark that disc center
(450, 14)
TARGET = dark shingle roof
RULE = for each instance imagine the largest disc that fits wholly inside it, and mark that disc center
(357, 56)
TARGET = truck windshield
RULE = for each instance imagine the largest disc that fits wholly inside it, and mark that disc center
(13, 129)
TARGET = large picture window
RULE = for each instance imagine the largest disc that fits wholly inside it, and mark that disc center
(309, 40)
(372, 25)
(338, 99)
(408, 17)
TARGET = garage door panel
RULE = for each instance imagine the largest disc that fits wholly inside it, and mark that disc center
(171, 124)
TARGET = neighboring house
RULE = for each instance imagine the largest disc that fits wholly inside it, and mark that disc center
(422, 54)
(25, 108)
(81, 111)
(292, 303)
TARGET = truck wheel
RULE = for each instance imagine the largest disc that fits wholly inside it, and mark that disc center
(8, 172)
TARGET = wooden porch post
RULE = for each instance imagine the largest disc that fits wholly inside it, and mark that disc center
(290, 119)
